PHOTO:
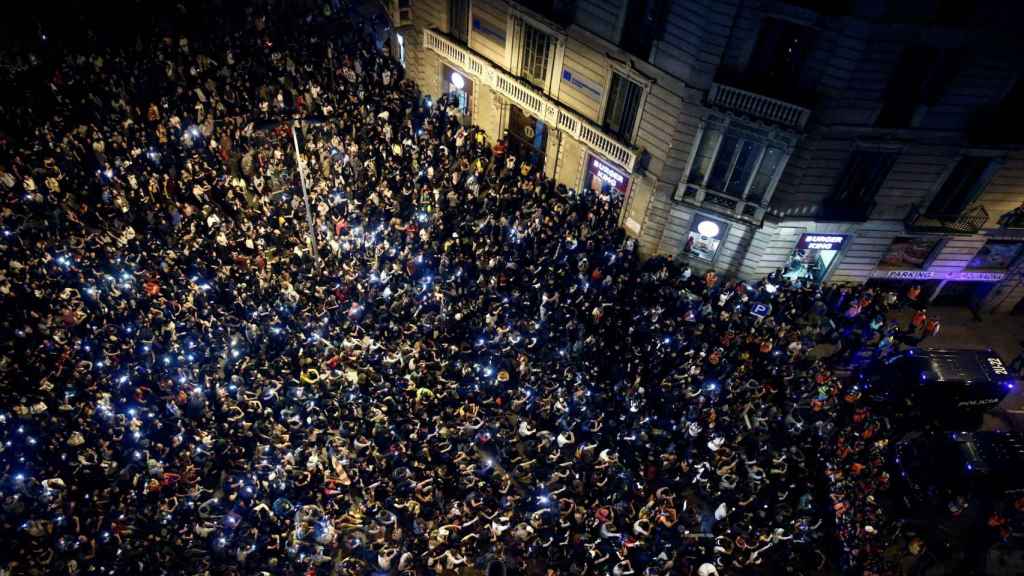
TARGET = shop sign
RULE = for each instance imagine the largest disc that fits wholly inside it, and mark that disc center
(821, 242)
(607, 174)
(930, 275)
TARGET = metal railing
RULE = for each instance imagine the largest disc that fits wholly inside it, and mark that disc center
(759, 106)
(532, 100)
(969, 221)
(1014, 219)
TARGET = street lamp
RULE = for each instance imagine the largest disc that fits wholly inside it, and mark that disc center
(313, 121)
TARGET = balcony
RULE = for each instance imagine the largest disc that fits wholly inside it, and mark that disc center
(1013, 220)
(726, 204)
(530, 99)
(758, 106)
(971, 221)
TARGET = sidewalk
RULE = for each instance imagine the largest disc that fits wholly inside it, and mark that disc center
(1001, 332)
(960, 329)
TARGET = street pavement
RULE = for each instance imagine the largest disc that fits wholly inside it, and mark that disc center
(1002, 333)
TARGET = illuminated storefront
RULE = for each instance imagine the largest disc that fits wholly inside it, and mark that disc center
(460, 86)
(814, 256)
(705, 237)
(604, 177)
(951, 279)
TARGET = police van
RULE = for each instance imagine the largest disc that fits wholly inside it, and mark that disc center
(938, 388)
(964, 494)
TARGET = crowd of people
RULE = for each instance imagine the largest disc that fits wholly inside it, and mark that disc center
(474, 365)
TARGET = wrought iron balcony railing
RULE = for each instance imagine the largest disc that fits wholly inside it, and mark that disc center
(969, 221)
(1014, 219)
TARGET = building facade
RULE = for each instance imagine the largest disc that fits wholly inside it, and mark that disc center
(847, 140)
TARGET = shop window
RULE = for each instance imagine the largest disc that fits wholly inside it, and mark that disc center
(814, 256)
(736, 163)
(461, 88)
(909, 253)
(962, 186)
(705, 237)
(623, 107)
(537, 52)
(996, 255)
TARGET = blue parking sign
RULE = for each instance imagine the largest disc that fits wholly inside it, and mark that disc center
(760, 310)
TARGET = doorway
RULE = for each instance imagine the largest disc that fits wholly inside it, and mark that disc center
(968, 294)
(460, 87)
(528, 137)
(814, 256)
